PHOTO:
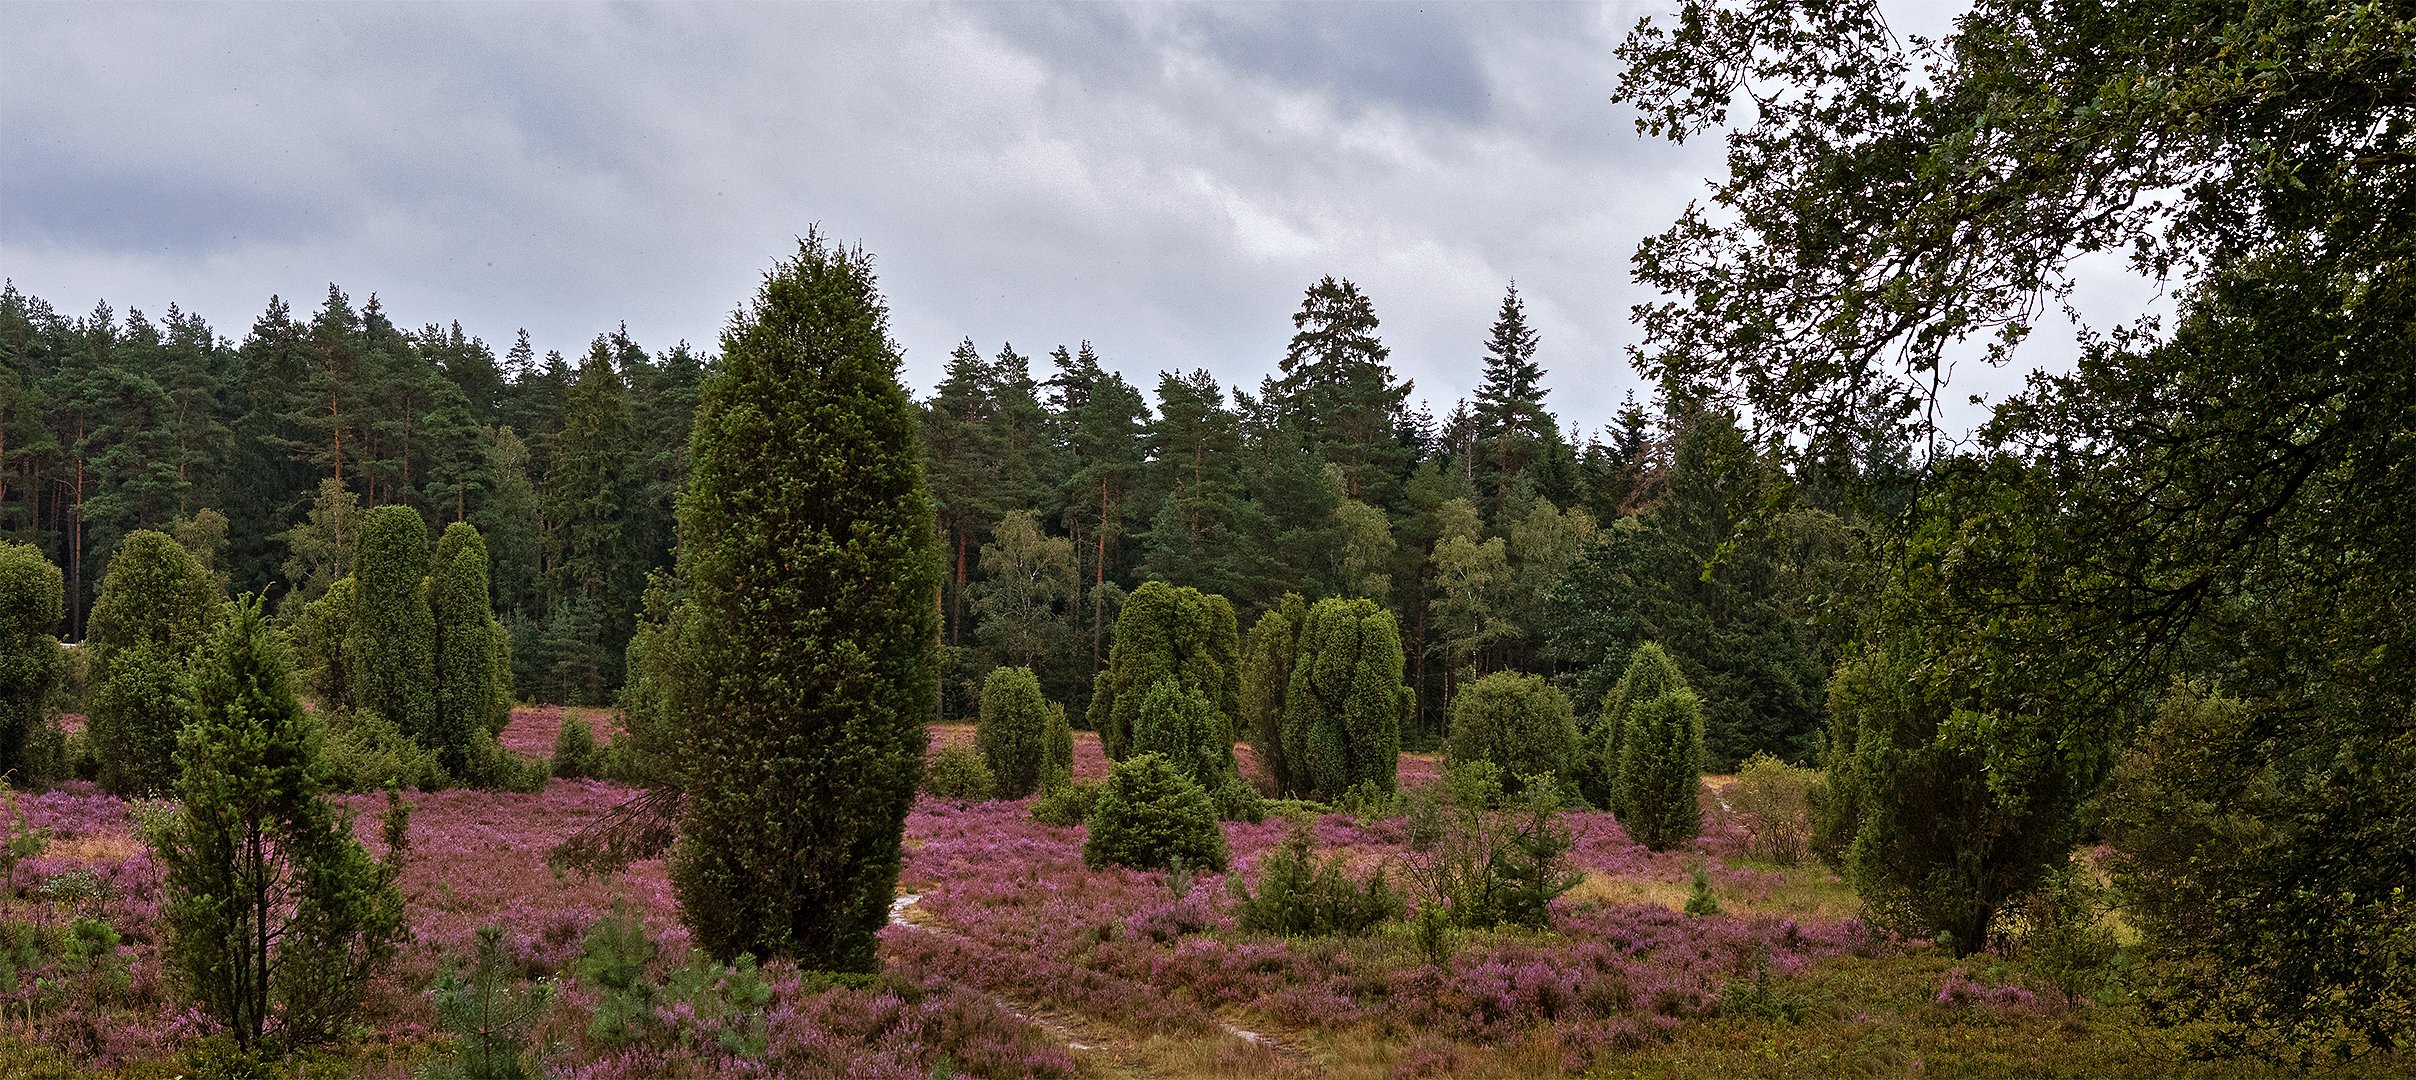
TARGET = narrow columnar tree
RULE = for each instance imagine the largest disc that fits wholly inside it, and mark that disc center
(1342, 712)
(1267, 657)
(1520, 723)
(812, 561)
(277, 916)
(32, 600)
(156, 608)
(1661, 770)
(472, 687)
(1166, 632)
(1013, 731)
(1650, 673)
(392, 643)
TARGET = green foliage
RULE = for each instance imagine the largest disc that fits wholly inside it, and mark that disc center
(575, 752)
(473, 674)
(392, 641)
(489, 1018)
(811, 568)
(156, 608)
(1661, 770)
(1773, 800)
(320, 636)
(2065, 933)
(1700, 900)
(32, 601)
(646, 751)
(959, 772)
(1267, 657)
(1182, 727)
(494, 768)
(1167, 633)
(1650, 673)
(1300, 895)
(1480, 859)
(1015, 731)
(1058, 758)
(253, 816)
(1343, 708)
(364, 751)
(1520, 724)
(1150, 814)
(615, 960)
(1064, 803)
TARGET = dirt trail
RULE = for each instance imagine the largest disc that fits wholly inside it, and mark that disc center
(1109, 1050)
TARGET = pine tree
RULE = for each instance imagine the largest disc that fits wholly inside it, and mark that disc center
(1202, 528)
(1343, 709)
(1520, 723)
(1102, 418)
(1167, 633)
(1336, 381)
(32, 601)
(1267, 657)
(961, 460)
(473, 679)
(812, 567)
(156, 608)
(277, 917)
(594, 556)
(1013, 731)
(392, 641)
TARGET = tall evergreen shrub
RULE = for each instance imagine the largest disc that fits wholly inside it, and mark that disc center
(321, 637)
(1342, 712)
(1650, 673)
(1661, 770)
(156, 608)
(32, 600)
(473, 689)
(1181, 726)
(1149, 815)
(277, 916)
(1013, 731)
(392, 642)
(1267, 656)
(1520, 724)
(1167, 632)
(812, 560)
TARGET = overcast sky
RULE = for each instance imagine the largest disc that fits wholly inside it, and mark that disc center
(1163, 181)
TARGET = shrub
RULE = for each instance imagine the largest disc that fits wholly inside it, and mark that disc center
(319, 637)
(2061, 930)
(392, 641)
(32, 600)
(473, 675)
(156, 608)
(1182, 727)
(1266, 675)
(253, 812)
(363, 751)
(959, 773)
(812, 634)
(489, 1018)
(1058, 760)
(1065, 803)
(1300, 895)
(1518, 723)
(495, 768)
(1342, 711)
(1650, 673)
(1165, 632)
(645, 752)
(1661, 770)
(615, 960)
(1150, 814)
(1773, 799)
(1013, 731)
(1480, 859)
(1699, 898)
(575, 753)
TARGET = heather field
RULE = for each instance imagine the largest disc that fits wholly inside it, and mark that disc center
(1007, 958)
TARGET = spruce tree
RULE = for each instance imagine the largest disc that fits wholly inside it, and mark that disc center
(1342, 711)
(32, 601)
(392, 643)
(156, 608)
(812, 561)
(1267, 658)
(1510, 402)
(1519, 723)
(1166, 632)
(473, 681)
(277, 916)
(1013, 731)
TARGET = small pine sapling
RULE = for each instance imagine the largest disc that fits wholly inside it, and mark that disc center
(490, 1019)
